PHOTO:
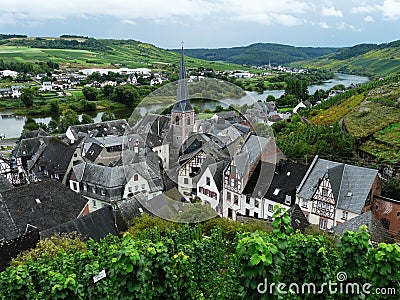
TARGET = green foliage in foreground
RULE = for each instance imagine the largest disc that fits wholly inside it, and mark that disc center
(179, 262)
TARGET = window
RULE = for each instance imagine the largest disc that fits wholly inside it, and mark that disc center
(305, 202)
(135, 177)
(85, 187)
(255, 215)
(93, 189)
(288, 200)
(233, 170)
(75, 186)
(143, 186)
(235, 199)
(324, 192)
(136, 187)
(322, 224)
(208, 181)
(276, 192)
(270, 208)
(94, 203)
(345, 215)
(103, 192)
(228, 196)
(398, 213)
(247, 212)
(257, 203)
(230, 212)
(247, 199)
(185, 180)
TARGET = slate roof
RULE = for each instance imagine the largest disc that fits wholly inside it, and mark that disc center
(96, 225)
(230, 116)
(116, 127)
(27, 147)
(351, 184)
(158, 125)
(249, 153)
(33, 134)
(7, 227)
(5, 184)
(100, 175)
(56, 204)
(378, 233)
(298, 219)
(286, 176)
(56, 156)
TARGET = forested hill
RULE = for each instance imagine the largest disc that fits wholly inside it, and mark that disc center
(368, 59)
(260, 54)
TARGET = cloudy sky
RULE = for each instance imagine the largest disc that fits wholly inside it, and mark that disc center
(209, 23)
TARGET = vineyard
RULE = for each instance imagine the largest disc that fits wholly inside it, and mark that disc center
(226, 261)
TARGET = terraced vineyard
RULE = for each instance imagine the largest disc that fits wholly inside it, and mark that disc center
(371, 116)
(124, 53)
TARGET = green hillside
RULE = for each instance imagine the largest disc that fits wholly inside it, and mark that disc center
(371, 115)
(260, 54)
(368, 59)
(76, 53)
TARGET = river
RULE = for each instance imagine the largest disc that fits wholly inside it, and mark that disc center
(12, 127)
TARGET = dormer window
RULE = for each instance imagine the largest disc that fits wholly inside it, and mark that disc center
(135, 177)
(276, 192)
(345, 215)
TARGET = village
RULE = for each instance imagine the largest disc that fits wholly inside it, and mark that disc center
(96, 177)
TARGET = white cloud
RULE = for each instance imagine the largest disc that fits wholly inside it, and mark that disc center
(283, 12)
(364, 9)
(331, 12)
(323, 25)
(369, 19)
(129, 22)
(344, 26)
(391, 10)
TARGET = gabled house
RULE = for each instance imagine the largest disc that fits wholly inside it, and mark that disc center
(51, 160)
(209, 184)
(102, 129)
(249, 153)
(263, 192)
(190, 164)
(103, 185)
(332, 193)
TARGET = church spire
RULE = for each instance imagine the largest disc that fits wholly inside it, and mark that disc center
(182, 103)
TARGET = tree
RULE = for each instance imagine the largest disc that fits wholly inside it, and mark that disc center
(89, 93)
(270, 98)
(54, 107)
(296, 87)
(27, 96)
(107, 116)
(126, 94)
(68, 118)
(107, 90)
(30, 124)
(260, 87)
(86, 119)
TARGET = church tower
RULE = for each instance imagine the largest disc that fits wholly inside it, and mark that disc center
(182, 114)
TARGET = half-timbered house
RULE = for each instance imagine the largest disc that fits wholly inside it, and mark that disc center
(332, 193)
